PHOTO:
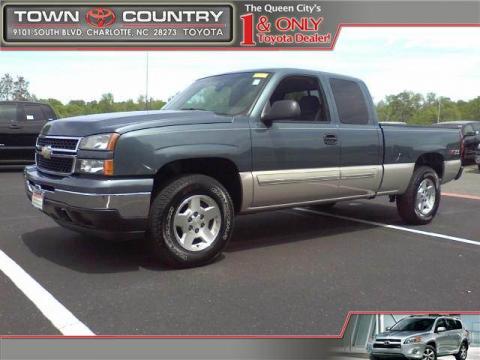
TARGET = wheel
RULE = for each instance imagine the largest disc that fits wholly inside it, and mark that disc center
(479, 167)
(373, 357)
(429, 353)
(462, 354)
(419, 204)
(191, 221)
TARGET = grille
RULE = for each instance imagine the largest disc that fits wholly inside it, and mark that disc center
(60, 165)
(58, 143)
(387, 346)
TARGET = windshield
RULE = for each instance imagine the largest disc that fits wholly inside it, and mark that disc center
(413, 325)
(229, 94)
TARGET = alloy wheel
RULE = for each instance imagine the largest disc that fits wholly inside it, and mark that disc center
(197, 222)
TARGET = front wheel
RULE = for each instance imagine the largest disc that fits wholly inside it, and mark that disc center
(429, 353)
(191, 221)
(419, 204)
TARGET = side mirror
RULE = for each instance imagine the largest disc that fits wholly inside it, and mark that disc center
(282, 109)
(441, 329)
(387, 328)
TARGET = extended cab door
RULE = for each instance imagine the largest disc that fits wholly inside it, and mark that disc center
(360, 138)
(295, 160)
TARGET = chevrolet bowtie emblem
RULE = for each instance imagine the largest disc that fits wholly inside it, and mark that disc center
(46, 152)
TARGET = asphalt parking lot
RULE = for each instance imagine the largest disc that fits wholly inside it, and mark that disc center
(289, 272)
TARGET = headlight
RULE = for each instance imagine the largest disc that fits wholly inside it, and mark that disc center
(99, 142)
(413, 340)
(95, 167)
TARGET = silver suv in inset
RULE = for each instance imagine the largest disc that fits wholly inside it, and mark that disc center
(422, 337)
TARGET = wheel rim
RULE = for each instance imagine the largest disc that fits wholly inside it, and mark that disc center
(197, 222)
(463, 352)
(428, 354)
(426, 196)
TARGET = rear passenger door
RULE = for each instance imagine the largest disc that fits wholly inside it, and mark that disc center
(360, 138)
(296, 160)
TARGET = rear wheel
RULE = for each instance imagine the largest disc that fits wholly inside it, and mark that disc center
(462, 354)
(419, 204)
(191, 221)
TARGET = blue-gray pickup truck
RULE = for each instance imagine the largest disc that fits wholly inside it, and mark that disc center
(233, 144)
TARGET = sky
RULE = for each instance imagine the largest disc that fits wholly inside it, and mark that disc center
(441, 60)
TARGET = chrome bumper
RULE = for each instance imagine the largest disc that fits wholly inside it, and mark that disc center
(130, 197)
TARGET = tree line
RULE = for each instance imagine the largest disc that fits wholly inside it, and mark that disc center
(407, 106)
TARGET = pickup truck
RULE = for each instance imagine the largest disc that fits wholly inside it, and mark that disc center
(232, 144)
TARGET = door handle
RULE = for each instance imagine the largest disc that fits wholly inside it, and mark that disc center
(330, 139)
(14, 126)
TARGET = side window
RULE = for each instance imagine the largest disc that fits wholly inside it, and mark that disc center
(8, 113)
(33, 112)
(458, 324)
(468, 129)
(307, 92)
(440, 323)
(48, 112)
(350, 101)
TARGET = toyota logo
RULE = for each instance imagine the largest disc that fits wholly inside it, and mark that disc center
(100, 17)
(46, 152)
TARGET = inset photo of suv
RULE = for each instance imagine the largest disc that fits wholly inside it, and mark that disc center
(422, 337)
(410, 336)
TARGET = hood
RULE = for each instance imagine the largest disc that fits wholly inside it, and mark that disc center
(399, 334)
(128, 121)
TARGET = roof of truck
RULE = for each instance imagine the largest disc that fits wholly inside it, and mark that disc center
(287, 71)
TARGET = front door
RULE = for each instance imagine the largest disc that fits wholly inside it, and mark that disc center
(296, 160)
(442, 338)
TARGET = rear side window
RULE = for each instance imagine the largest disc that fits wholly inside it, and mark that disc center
(8, 113)
(33, 112)
(48, 112)
(350, 101)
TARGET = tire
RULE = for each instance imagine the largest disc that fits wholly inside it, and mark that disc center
(479, 167)
(429, 353)
(373, 357)
(463, 353)
(191, 221)
(411, 207)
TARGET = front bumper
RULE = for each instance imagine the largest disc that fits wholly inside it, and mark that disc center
(92, 204)
(408, 351)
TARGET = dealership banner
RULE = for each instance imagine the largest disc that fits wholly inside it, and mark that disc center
(213, 24)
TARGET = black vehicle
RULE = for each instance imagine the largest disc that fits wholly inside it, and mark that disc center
(470, 131)
(20, 124)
